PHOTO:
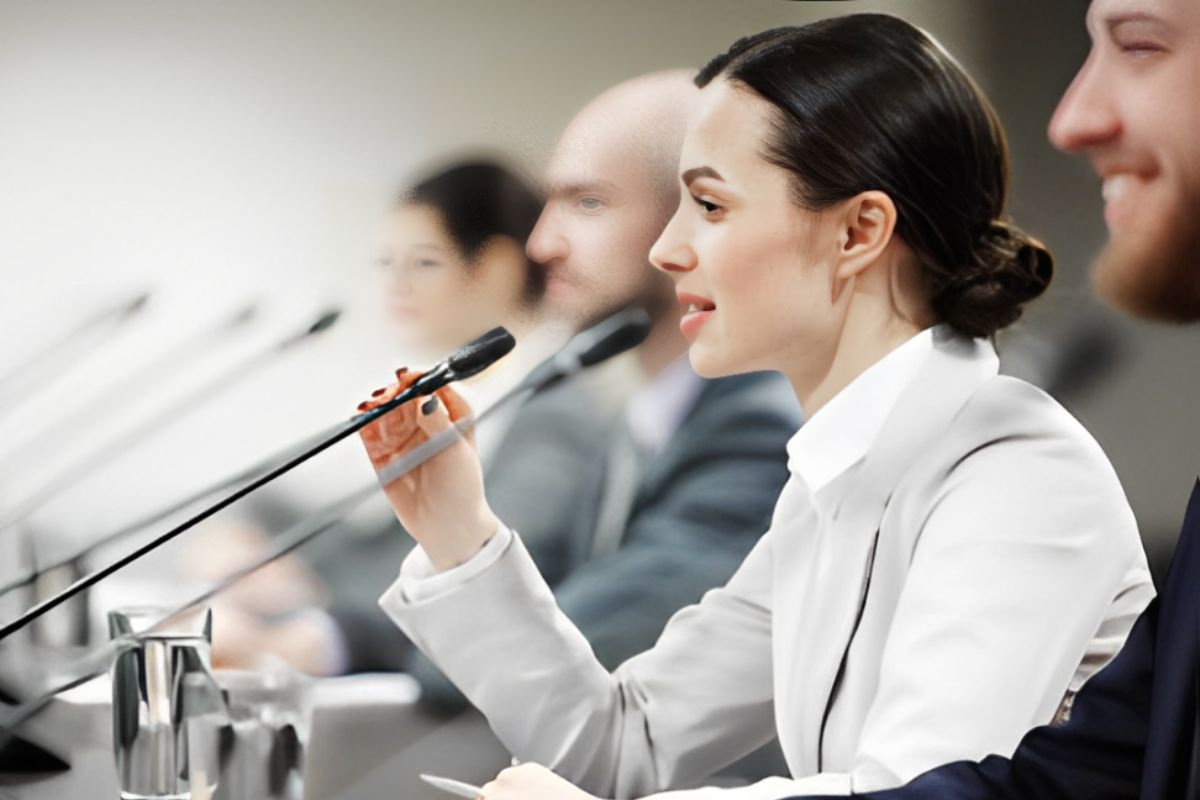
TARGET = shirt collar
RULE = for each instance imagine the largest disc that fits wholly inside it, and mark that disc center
(841, 432)
(659, 407)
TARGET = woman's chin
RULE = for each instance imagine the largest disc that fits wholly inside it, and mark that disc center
(707, 364)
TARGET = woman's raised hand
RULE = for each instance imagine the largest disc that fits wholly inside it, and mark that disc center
(440, 503)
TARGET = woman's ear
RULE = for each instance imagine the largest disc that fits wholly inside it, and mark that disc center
(867, 222)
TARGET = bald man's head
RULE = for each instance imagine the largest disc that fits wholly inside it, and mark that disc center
(611, 187)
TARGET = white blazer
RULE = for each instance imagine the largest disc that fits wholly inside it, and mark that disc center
(928, 602)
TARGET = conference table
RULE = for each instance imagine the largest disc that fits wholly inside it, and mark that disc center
(368, 740)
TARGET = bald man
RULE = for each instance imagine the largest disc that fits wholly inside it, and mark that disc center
(693, 473)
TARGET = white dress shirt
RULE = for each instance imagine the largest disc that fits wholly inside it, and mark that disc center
(951, 554)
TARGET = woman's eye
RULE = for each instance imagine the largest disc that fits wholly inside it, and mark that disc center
(1139, 48)
(710, 209)
(1137, 40)
(425, 263)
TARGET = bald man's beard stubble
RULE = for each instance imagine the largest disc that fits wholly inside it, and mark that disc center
(1154, 272)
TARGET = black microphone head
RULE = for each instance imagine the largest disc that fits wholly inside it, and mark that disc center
(622, 331)
(324, 322)
(134, 306)
(480, 354)
(243, 315)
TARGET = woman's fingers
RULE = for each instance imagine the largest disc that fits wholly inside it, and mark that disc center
(440, 501)
(531, 782)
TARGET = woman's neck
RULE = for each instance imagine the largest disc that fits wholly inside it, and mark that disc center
(867, 337)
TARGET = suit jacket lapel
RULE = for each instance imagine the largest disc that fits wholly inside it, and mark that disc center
(1171, 741)
(846, 540)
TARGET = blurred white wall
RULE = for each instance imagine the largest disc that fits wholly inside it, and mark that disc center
(218, 151)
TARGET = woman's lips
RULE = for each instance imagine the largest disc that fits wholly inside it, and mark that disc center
(697, 310)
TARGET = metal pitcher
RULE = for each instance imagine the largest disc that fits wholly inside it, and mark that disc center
(158, 686)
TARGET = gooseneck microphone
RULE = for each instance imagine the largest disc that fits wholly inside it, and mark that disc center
(607, 338)
(90, 331)
(468, 361)
(613, 336)
(471, 359)
(125, 438)
(616, 334)
(174, 359)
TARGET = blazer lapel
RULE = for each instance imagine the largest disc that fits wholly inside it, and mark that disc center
(1169, 770)
(847, 535)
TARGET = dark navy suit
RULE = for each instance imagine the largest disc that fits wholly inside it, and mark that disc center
(1134, 731)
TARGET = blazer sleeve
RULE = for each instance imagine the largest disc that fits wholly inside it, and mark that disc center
(700, 698)
(543, 481)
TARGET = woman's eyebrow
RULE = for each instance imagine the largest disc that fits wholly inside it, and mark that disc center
(700, 172)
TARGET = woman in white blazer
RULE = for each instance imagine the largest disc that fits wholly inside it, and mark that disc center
(952, 554)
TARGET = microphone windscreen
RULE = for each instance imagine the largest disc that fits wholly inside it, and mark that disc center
(325, 321)
(134, 306)
(322, 323)
(480, 354)
(620, 332)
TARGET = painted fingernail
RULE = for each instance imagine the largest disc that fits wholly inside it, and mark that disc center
(429, 406)
(364, 406)
(378, 392)
(401, 372)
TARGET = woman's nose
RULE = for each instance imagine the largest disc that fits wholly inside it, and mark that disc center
(672, 253)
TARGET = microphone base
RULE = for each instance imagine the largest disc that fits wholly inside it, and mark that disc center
(20, 756)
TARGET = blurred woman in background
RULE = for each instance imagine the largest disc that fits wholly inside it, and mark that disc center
(453, 266)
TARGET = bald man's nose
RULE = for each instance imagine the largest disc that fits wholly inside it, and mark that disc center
(546, 243)
(1086, 116)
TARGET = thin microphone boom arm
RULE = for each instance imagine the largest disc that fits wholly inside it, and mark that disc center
(104, 321)
(83, 466)
(621, 332)
(463, 366)
(466, 362)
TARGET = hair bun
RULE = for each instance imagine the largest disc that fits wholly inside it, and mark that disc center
(1009, 268)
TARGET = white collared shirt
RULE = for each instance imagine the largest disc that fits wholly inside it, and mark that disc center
(840, 433)
(658, 409)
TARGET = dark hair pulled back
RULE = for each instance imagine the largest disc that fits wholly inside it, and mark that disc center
(869, 102)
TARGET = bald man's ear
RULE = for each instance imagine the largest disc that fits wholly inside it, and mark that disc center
(867, 223)
(501, 249)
